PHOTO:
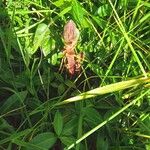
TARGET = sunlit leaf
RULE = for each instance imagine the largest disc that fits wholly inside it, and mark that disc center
(47, 45)
(78, 13)
(41, 39)
(104, 10)
(58, 3)
(53, 59)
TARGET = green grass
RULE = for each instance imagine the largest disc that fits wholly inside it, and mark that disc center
(106, 106)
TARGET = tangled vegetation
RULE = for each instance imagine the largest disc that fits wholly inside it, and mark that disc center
(105, 105)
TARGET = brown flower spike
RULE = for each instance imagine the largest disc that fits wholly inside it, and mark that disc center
(71, 36)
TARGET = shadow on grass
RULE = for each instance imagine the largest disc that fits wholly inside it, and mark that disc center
(8, 51)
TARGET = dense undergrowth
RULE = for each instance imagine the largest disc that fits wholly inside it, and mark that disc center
(106, 106)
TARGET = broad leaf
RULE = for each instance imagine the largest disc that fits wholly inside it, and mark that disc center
(92, 116)
(58, 123)
(41, 39)
(70, 127)
(67, 140)
(43, 141)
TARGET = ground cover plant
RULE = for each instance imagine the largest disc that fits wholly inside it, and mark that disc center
(105, 105)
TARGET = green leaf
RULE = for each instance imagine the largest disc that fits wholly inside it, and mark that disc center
(145, 125)
(104, 10)
(43, 141)
(58, 123)
(4, 125)
(60, 55)
(61, 88)
(147, 4)
(47, 45)
(58, 3)
(145, 18)
(59, 77)
(67, 140)
(147, 146)
(15, 135)
(101, 142)
(78, 13)
(102, 23)
(77, 10)
(70, 127)
(41, 39)
(70, 84)
(64, 11)
(13, 102)
(53, 59)
(92, 116)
